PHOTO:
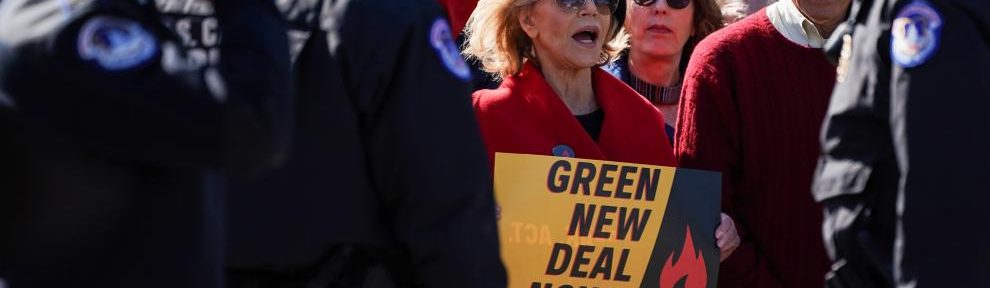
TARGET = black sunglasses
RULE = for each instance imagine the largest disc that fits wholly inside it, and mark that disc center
(676, 4)
(604, 6)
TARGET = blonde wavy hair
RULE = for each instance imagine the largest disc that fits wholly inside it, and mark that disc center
(496, 40)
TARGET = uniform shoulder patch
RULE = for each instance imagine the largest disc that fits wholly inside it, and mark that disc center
(115, 43)
(915, 34)
(442, 42)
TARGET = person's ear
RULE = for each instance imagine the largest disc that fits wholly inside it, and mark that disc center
(526, 22)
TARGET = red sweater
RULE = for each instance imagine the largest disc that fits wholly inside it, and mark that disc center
(752, 108)
(525, 115)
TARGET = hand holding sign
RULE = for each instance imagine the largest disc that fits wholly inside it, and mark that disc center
(727, 238)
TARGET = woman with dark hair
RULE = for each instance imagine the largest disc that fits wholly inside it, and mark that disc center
(662, 34)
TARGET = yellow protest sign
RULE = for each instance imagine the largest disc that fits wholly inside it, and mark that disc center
(567, 222)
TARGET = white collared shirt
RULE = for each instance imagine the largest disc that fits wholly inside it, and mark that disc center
(789, 21)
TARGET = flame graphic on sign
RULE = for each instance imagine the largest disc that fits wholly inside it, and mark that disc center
(690, 265)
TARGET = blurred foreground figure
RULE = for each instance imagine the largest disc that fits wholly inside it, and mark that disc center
(903, 174)
(387, 183)
(116, 140)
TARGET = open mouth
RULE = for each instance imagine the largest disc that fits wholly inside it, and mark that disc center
(586, 36)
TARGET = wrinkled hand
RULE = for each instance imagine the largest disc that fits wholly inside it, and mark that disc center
(726, 237)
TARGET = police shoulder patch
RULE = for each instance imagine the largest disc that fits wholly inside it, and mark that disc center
(442, 42)
(915, 34)
(115, 43)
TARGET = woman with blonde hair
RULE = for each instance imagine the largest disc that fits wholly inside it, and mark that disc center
(554, 99)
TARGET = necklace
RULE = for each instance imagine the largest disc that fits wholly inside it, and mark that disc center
(658, 95)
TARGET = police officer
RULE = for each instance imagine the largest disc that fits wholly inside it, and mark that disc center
(387, 182)
(116, 140)
(903, 174)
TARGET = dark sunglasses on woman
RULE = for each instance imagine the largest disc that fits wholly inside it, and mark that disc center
(676, 4)
(604, 6)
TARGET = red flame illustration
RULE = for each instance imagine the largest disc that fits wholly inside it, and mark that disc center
(690, 265)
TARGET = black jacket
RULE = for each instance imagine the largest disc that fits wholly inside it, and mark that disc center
(116, 142)
(905, 146)
(387, 158)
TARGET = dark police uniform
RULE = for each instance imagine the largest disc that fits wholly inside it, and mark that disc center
(387, 183)
(906, 145)
(115, 140)
(195, 24)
